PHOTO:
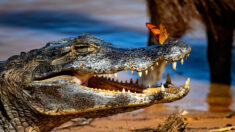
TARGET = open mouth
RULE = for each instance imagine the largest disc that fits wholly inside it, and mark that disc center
(111, 83)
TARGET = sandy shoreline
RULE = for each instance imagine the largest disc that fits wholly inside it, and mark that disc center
(149, 118)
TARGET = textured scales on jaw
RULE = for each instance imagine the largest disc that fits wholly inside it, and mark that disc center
(56, 80)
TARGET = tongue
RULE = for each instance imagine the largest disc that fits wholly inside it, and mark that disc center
(82, 78)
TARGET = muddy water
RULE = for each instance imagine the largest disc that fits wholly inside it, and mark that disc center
(27, 24)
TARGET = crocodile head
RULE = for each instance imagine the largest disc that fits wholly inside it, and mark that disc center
(77, 77)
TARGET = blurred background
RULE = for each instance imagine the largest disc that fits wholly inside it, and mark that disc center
(30, 24)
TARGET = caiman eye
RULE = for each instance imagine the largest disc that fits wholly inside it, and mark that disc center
(83, 48)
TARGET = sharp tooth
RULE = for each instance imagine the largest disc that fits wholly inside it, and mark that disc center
(168, 79)
(115, 75)
(182, 61)
(125, 70)
(169, 90)
(123, 90)
(94, 75)
(129, 91)
(132, 72)
(166, 62)
(140, 74)
(146, 72)
(151, 67)
(137, 80)
(109, 75)
(131, 80)
(157, 63)
(186, 85)
(174, 65)
(104, 75)
(162, 88)
(135, 93)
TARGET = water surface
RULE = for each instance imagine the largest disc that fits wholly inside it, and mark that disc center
(27, 24)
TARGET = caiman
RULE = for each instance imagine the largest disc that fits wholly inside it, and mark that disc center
(77, 77)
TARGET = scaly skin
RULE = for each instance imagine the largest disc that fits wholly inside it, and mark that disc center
(46, 87)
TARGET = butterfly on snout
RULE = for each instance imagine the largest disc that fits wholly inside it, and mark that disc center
(159, 33)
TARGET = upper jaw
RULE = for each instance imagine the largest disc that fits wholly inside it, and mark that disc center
(112, 60)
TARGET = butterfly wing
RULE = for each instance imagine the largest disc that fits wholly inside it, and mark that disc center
(163, 34)
(153, 29)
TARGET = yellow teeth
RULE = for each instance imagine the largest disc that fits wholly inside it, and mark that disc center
(109, 75)
(104, 76)
(146, 72)
(162, 88)
(140, 74)
(137, 81)
(174, 65)
(168, 79)
(186, 85)
(157, 63)
(115, 75)
(123, 90)
(131, 80)
(182, 61)
(151, 67)
(132, 72)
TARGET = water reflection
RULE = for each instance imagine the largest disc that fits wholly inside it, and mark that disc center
(219, 98)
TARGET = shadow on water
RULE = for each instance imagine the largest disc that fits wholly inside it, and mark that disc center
(60, 22)
(219, 98)
(70, 23)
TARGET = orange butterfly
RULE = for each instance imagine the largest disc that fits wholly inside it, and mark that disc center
(161, 32)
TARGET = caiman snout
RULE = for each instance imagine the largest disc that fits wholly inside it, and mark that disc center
(89, 67)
